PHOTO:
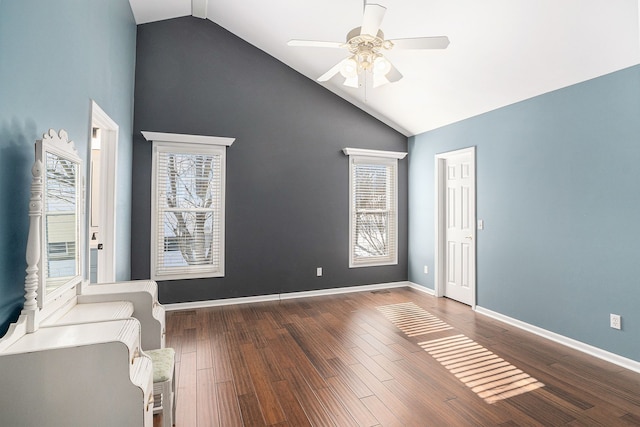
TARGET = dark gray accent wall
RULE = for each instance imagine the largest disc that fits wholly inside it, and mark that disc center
(287, 201)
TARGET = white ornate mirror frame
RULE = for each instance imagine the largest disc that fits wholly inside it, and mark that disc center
(55, 244)
(71, 301)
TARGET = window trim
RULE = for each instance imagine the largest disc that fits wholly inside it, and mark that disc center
(196, 144)
(388, 158)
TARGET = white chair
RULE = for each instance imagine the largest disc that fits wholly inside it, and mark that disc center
(164, 395)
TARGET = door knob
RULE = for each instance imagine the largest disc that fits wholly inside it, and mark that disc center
(469, 237)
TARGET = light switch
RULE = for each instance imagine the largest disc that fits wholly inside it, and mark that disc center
(480, 224)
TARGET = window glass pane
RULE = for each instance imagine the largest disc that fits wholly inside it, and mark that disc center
(189, 229)
(373, 210)
(372, 234)
(188, 238)
(371, 186)
(192, 181)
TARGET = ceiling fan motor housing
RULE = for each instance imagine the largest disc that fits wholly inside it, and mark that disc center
(365, 47)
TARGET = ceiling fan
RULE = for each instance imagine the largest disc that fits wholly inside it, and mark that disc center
(366, 45)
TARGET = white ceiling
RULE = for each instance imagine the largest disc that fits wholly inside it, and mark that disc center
(501, 51)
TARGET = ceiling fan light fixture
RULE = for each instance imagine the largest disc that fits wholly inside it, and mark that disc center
(381, 66)
(349, 69)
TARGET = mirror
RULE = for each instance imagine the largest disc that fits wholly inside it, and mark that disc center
(60, 259)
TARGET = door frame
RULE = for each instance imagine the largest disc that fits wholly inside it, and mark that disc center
(440, 223)
(108, 176)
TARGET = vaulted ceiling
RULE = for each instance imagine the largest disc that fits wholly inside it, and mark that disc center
(501, 51)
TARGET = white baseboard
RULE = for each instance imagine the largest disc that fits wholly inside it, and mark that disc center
(285, 296)
(346, 290)
(421, 288)
(561, 339)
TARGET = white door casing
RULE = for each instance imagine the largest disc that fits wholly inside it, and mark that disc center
(455, 226)
(107, 203)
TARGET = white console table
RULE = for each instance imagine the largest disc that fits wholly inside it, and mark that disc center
(73, 375)
(75, 356)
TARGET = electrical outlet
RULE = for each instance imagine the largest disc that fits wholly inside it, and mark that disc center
(426, 269)
(319, 271)
(615, 321)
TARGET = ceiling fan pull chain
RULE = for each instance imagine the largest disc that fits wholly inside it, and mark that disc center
(365, 85)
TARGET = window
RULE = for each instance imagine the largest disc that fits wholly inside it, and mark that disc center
(373, 223)
(188, 206)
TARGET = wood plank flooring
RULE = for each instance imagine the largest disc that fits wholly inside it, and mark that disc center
(384, 358)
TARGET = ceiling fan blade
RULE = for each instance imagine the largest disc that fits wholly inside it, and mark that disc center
(332, 72)
(394, 75)
(314, 43)
(440, 42)
(373, 14)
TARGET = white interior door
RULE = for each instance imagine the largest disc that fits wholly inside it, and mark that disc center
(102, 195)
(456, 225)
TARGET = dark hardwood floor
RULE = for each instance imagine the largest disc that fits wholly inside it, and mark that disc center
(384, 358)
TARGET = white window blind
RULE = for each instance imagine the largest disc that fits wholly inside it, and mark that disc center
(373, 208)
(188, 211)
(373, 231)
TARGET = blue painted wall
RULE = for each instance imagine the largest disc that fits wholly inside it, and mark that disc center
(55, 57)
(558, 189)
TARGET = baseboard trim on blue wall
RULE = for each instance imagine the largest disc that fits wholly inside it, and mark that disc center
(289, 295)
(566, 341)
(421, 288)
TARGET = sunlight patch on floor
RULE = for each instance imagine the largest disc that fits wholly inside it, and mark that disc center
(489, 376)
(413, 320)
(486, 374)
